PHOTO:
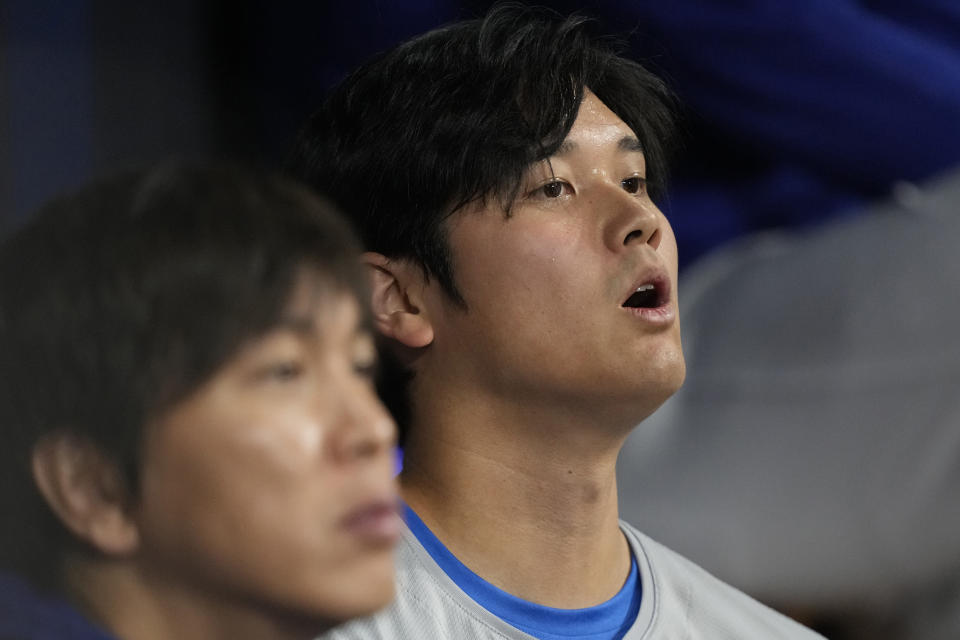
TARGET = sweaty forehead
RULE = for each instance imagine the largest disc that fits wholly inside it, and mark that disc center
(598, 124)
(627, 144)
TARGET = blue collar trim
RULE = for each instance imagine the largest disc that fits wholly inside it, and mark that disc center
(606, 621)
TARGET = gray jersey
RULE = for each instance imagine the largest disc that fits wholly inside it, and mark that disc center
(680, 601)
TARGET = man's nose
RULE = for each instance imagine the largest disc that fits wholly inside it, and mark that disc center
(365, 428)
(629, 220)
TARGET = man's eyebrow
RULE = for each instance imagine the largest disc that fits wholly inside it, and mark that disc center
(565, 147)
(299, 324)
(630, 143)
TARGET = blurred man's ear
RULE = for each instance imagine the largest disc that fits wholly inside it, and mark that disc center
(399, 312)
(86, 491)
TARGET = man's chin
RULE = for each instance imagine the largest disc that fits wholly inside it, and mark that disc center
(651, 396)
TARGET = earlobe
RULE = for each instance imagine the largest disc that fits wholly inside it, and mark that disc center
(396, 300)
(85, 491)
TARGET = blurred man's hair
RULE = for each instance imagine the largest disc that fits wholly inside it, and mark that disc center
(118, 301)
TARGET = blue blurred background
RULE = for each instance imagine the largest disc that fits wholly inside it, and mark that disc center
(795, 112)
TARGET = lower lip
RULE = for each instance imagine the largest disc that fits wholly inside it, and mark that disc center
(661, 316)
(379, 525)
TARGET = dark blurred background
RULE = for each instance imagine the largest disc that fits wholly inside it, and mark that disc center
(795, 112)
(90, 86)
(806, 460)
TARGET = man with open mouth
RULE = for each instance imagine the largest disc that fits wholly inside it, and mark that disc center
(502, 173)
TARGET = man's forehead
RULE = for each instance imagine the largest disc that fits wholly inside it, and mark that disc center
(596, 123)
(626, 143)
(320, 308)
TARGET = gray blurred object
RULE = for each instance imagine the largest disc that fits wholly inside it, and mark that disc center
(813, 456)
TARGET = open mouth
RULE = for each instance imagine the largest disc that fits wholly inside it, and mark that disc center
(650, 295)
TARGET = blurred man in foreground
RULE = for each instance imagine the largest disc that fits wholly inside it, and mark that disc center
(192, 443)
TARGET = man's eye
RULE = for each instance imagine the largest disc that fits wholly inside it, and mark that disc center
(634, 184)
(364, 356)
(366, 368)
(284, 371)
(554, 189)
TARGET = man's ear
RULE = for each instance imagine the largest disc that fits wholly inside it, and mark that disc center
(86, 492)
(397, 300)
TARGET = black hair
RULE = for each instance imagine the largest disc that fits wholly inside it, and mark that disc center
(457, 115)
(119, 300)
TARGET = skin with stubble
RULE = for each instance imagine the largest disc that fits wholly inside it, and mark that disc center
(522, 401)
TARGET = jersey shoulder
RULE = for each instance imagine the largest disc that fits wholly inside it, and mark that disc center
(428, 605)
(687, 601)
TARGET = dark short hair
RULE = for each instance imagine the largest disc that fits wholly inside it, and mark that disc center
(119, 300)
(458, 114)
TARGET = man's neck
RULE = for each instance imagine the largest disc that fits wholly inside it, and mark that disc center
(525, 498)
